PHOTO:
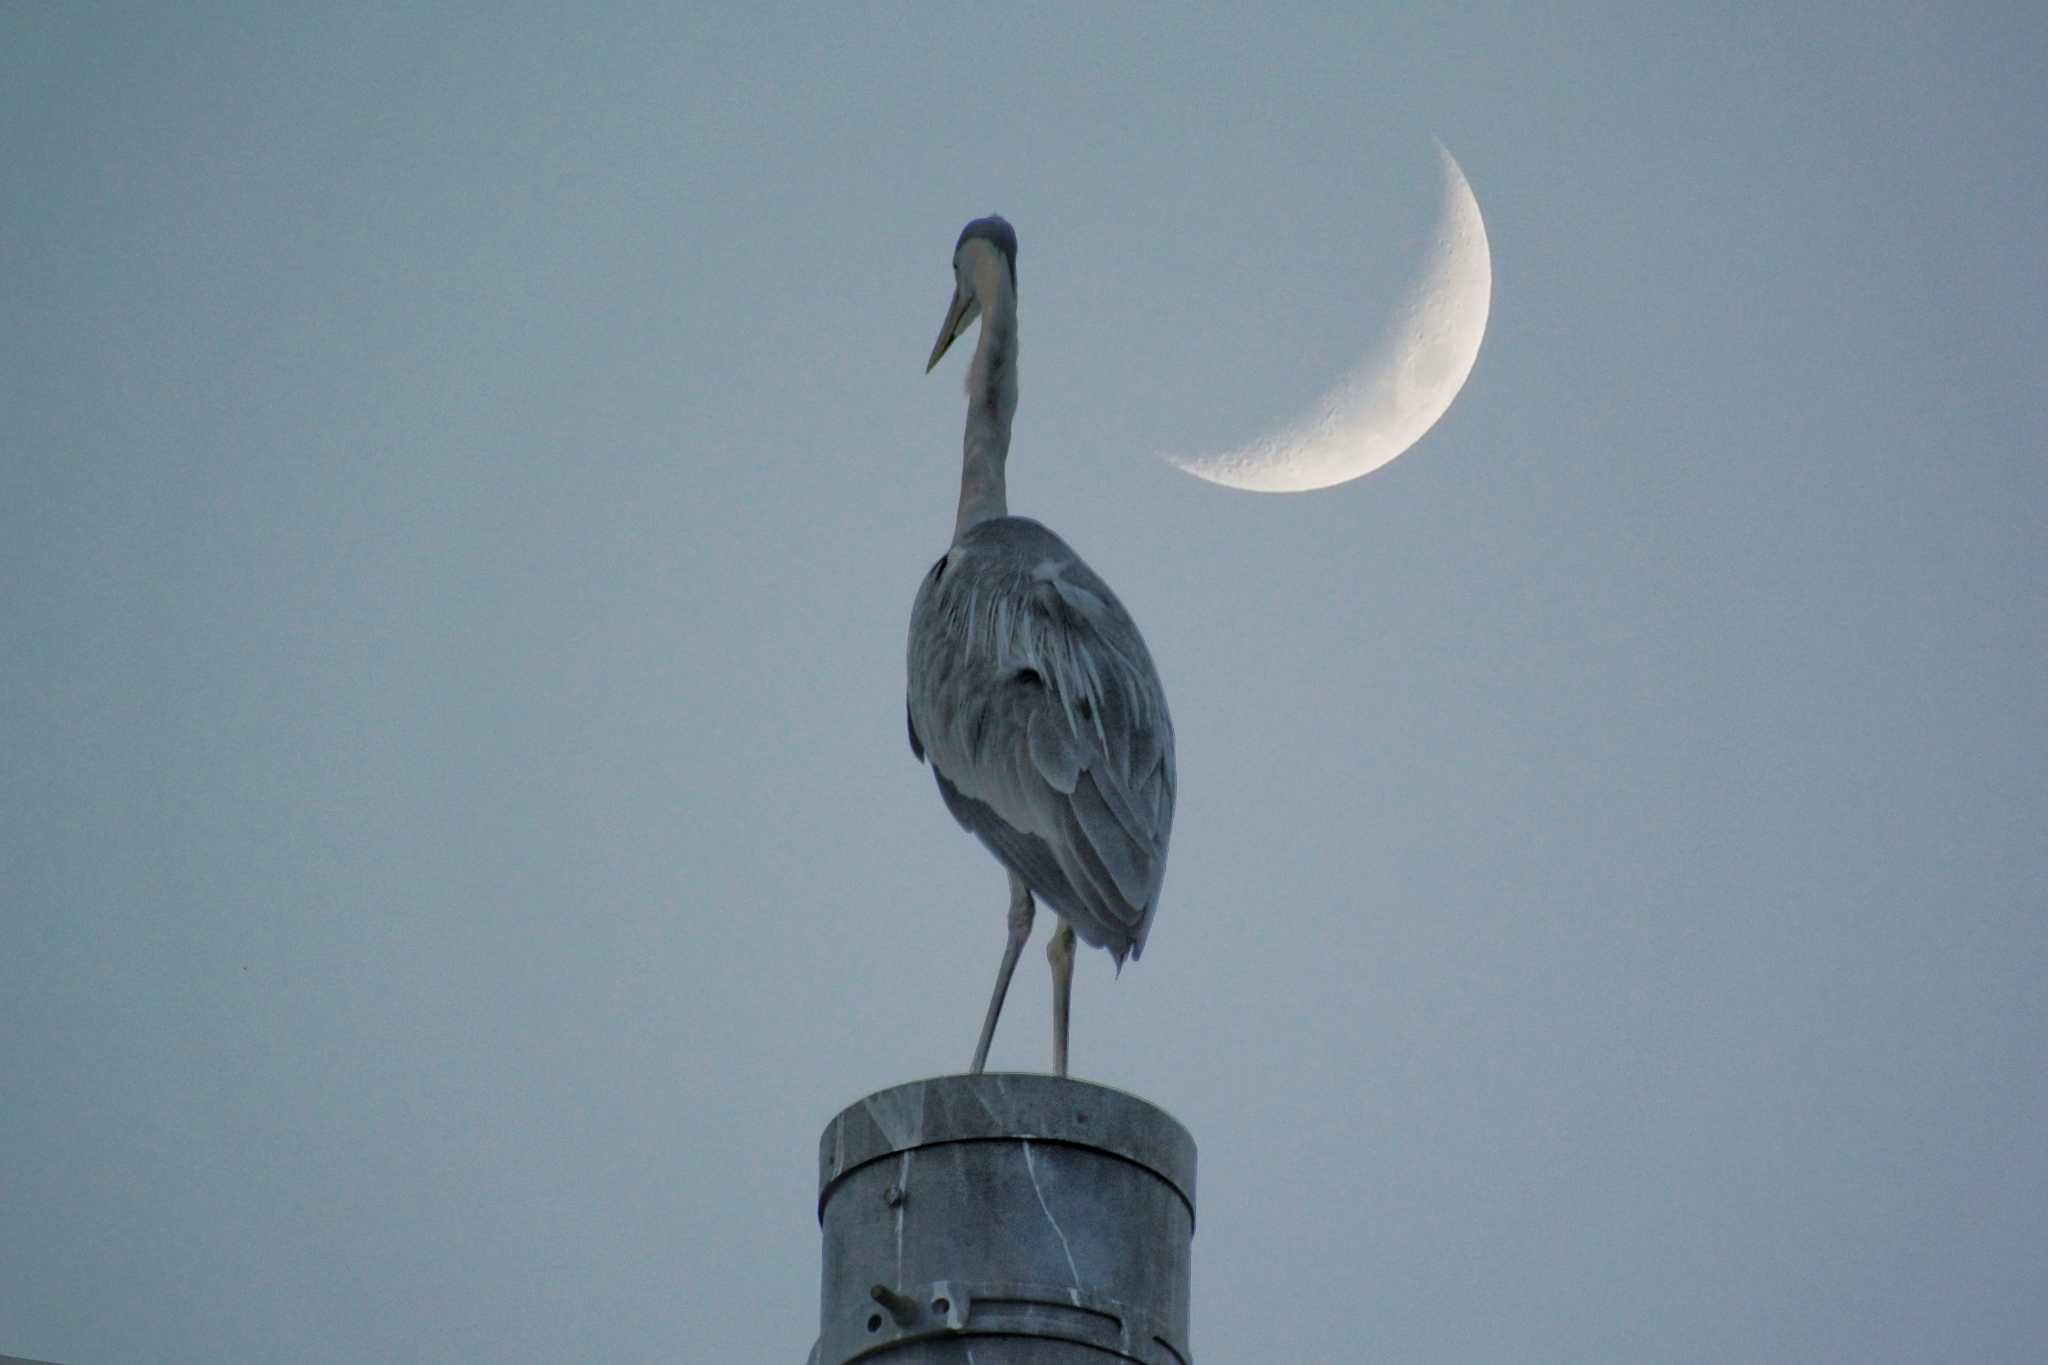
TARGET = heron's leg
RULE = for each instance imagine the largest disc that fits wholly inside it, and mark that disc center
(1059, 951)
(1020, 929)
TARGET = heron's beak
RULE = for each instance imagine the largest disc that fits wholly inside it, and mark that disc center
(963, 311)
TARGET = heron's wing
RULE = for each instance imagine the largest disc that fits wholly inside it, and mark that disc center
(1037, 703)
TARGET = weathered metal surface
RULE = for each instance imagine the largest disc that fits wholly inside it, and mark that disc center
(1004, 1218)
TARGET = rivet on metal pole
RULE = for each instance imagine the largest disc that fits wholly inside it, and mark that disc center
(901, 1307)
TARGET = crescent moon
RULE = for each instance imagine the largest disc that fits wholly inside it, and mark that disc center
(1407, 380)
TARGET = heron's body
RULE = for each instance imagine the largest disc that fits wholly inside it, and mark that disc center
(1036, 703)
(1031, 691)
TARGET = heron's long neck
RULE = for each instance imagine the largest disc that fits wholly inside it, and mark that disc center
(991, 403)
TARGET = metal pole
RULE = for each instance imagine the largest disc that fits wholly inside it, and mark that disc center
(1007, 1220)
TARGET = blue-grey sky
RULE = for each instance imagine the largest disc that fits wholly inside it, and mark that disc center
(463, 478)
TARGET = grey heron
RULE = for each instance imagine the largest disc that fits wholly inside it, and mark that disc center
(1032, 694)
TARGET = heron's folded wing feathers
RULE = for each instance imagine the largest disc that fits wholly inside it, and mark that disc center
(1095, 734)
(1054, 753)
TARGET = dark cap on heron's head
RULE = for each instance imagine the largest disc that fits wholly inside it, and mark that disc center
(996, 231)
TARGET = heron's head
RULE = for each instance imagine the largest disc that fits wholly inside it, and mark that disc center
(984, 260)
